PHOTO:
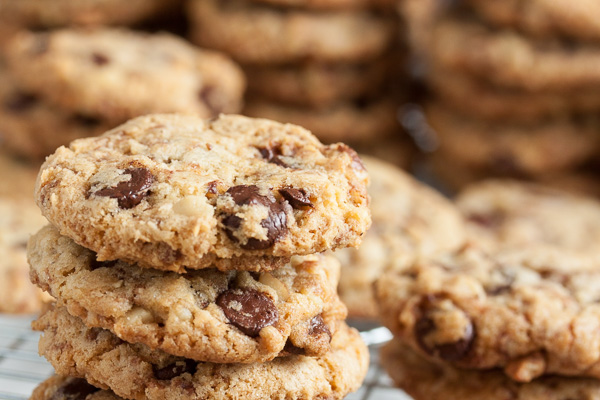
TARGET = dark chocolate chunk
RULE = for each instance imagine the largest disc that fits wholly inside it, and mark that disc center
(175, 369)
(130, 193)
(272, 154)
(100, 59)
(454, 351)
(85, 120)
(248, 309)
(297, 198)
(74, 389)
(19, 102)
(317, 327)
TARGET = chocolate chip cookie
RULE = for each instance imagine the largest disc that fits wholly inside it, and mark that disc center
(530, 311)
(409, 220)
(510, 59)
(353, 122)
(37, 13)
(514, 148)
(117, 74)
(61, 387)
(137, 372)
(504, 213)
(33, 128)
(425, 380)
(174, 192)
(205, 315)
(317, 85)
(545, 18)
(259, 34)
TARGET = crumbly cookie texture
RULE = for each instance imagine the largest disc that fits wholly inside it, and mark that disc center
(505, 214)
(409, 220)
(510, 59)
(173, 192)
(116, 74)
(37, 14)
(544, 18)
(33, 128)
(424, 380)
(513, 148)
(530, 311)
(205, 315)
(353, 122)
(136, 372)
(258, 34)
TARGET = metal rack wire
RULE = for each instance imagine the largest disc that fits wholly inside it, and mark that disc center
(22, 369)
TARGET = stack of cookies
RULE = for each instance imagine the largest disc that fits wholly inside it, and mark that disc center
(184, 258)
(513, 314)
(514, 85)
(67, 84)
(327, 65)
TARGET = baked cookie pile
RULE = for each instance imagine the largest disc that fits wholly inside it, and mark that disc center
(513, 313)
(184, 256)
(327, 65)
(70, 83)
(515, 87)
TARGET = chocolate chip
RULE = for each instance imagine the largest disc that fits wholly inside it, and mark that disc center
(298, 198)
(130, 193)
(248, 309)
(272, 155)
(356, 163)
(20, 102)
(100, 59)
(86, 121)
(454, 351)
(209, 96)
(74, 389)
(490, 220)
(174, 370)
(275, 223)
(95, 264)
(212, 187)
(317, 327)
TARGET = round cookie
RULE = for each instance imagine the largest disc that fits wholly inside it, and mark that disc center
(545, 18)
(504, 213)
(136, 372)
(174, 192)
(258, 34)
(353, 122)
(66, 388)
(19, 218)
(117, 74)
(204, 315)
(33, 128)
(37, 13)
(409, 220)
(316, 85)
(509, 59)
(473, 96)
(532, 311)
(424, 380)
(514, 148)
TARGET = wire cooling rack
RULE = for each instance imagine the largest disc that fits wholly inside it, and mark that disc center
(22, 369)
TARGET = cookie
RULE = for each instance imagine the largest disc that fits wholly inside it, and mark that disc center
(532, 311)
(174, 192)
(514, 148)
(424, 380)
(316, 85)
(353, 122)
(37, 14)
(137, 372)
(504, 213)
(19, 218)
(62, 388)
(340, 5)
(117, 74)
(205, 315)
(32, 128)
(543, 18)
(510, 59)
(258, 34)
(409, 220)
(477, 97)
